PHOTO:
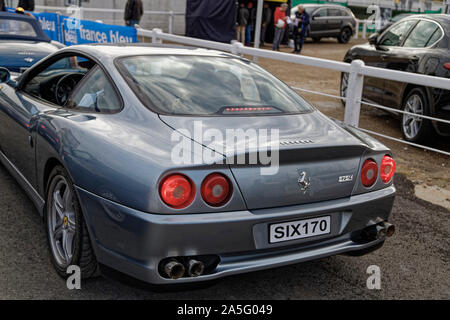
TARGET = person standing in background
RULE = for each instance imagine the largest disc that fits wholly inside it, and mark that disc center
(27, 5)
(134, 10)
(279, 21)
(302, 28)
(402, 5)
(266, 19)
(410, 4)
(242, 20)
(2, 5)
(250, 24)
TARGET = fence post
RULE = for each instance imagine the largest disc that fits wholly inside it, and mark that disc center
(236, 47)
(171, 18)
(364, 31)
(357, 29)
(155, 38)
(354, 93)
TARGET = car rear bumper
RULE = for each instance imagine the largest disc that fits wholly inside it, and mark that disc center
(135, 242)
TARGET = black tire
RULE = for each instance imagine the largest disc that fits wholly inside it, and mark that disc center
(83, 254)
(416, 130)
(345, 35)
(343, 86)
(316, 39)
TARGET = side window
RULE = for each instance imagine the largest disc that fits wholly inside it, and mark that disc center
(435, 37)
(321, 13)
(421, 34)
(95, 94)
(334, 12)
(56, 81)
(395, 35)
(345, 13)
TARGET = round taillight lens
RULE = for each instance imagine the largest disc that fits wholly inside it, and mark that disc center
(369, 173)
(216, 189)
(177, 191)
(387, 169)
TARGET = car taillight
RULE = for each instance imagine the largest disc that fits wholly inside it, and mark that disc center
(216, 189)
(177, 191)
(447, 65)
(387, 169)
(369, 173)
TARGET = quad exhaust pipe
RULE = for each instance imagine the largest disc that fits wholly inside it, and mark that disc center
(195, 268)
(176, 270)
(385, 229)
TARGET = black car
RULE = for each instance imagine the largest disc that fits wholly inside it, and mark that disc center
(23, 42)
(419, 44)
(329, 21)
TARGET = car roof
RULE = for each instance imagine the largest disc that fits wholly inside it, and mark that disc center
(113, 51)
(317, 5)
(442, 19)
(40, 34)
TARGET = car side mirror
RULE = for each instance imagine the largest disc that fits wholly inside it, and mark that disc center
(313, 17)
(5, 75)
(373, 39)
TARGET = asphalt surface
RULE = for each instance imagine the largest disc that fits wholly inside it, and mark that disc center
(414, 263)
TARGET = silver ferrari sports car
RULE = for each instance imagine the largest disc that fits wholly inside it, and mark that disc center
(179, 165)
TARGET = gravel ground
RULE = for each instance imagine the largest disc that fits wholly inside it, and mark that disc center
(414, 263)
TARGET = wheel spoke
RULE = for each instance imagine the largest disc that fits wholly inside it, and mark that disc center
(67, 242)
(58, 233)
(67, 198)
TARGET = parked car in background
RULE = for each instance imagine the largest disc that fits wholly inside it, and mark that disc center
(23, 42)
(419, 44)
(93, 146)
(328, 20)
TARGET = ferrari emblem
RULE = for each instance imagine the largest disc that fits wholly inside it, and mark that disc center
(303, 181)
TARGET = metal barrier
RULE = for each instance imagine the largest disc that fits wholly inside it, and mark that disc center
(171, 14)
(364, 28)
(357, 71)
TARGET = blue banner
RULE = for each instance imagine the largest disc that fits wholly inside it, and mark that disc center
(50, 24)
(71, 31)
(84, 31)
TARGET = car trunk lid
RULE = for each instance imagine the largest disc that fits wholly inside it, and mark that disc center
(318, 160)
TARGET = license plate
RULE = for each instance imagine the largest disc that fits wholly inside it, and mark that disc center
(299, 229)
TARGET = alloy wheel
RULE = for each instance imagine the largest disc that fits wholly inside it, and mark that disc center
(412, 124)
(62, 222)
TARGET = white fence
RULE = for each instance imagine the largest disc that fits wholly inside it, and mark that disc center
(357, 71)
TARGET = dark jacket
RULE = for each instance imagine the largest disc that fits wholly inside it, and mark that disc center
(243, 16)
(304, 23)
(266, 16)
(27, 5)
(304, 17)
(134, 10)
(2, 5)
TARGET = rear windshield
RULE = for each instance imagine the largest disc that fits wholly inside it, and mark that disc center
(10, 27)
(204, 85)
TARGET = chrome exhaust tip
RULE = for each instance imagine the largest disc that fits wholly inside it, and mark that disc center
(174, 269)
(389, 229)
(195, 268)
(385, 229)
